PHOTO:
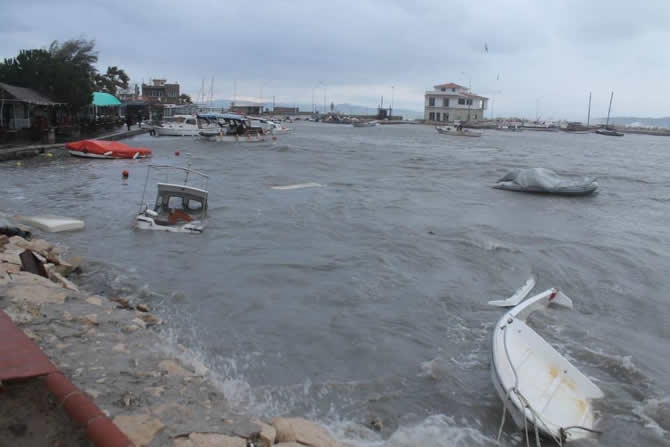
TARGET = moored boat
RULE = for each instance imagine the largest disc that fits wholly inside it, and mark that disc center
(231, 128)
(606, 130)
(178, 126)
(546, 181)
(609, 132)
(456, 131)
(105, 149)
(365, 124)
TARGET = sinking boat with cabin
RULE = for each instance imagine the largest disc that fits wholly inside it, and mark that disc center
(179, 207)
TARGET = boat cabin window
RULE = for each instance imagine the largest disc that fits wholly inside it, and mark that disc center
(190, 121)
(166, 203)
(193, 205)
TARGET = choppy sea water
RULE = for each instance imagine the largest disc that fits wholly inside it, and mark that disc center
(366, 296)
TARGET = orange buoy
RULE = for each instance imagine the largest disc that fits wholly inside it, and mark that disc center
(176, 153)
(125, 173)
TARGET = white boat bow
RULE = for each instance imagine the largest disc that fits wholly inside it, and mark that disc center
(539, 387)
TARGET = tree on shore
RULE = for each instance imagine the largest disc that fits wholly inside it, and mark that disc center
(112, 81)
(185, 99)
(64, 72)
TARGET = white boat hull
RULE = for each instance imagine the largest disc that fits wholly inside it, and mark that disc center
(538, 386)
(457, 133)
(239, 139)
(144, 222)
(53, 224)
(177, 131)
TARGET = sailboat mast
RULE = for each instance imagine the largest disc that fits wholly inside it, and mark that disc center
(588, 117)
(609, 109)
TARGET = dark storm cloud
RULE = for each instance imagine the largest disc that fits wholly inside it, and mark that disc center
(540, 55)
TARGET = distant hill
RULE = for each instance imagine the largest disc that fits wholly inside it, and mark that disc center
(636, 121)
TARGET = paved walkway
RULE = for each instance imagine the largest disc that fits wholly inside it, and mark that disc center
(15, 152)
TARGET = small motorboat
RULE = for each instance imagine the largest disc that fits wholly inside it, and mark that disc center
(179, 208)
(541, 389)
(456, 131)
(546, 181)
(105, 149)
(365, 124)
(609, 132)
(178, 126)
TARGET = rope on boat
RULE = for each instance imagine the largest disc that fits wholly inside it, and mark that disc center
(536, 416)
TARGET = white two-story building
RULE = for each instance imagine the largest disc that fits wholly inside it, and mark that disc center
(452, 102)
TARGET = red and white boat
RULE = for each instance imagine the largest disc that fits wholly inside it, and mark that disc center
(106, 149)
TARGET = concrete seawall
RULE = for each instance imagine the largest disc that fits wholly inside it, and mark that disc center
(112, 350)
(20, 152)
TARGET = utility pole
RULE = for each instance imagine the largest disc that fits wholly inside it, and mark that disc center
(392, 97)
(588, 117)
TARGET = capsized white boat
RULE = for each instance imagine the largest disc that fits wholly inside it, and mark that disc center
(53, 224)
(539, 387)
(179, 208)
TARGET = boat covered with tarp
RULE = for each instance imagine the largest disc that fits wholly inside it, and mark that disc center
(105, 149)
(546, 181)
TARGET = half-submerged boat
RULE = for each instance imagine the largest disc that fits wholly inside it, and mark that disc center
(541, 389)
(546, 181)
(105, 149)
(455, 131)
(179, 207)
(231, 128)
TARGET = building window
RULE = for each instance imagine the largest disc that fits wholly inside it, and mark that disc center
(431, 102)
(445, 102)
(431, 116)
(437, 116)
(453, 89)
(475, 117)
(461, 101)
(469, 102)
(445, 117)
(443, 89)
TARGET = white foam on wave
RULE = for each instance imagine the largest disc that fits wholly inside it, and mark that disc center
(438, 431)
(655, 413)
(297, 186)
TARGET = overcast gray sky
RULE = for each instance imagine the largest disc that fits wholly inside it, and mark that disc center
(543, 57)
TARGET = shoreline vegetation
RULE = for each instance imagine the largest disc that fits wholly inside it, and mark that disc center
(112, 350)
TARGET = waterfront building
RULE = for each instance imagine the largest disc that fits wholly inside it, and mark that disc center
(159, 90)
(452, 102)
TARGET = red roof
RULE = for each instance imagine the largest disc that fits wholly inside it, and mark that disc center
(450, 85)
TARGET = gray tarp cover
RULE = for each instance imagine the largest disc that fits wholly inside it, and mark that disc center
(546, 180)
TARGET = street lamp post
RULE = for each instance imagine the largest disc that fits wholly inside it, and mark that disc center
(263, 104)
(325, 89)
(469, 91)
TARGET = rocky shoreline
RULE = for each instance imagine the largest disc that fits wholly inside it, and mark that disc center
(110, 349)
